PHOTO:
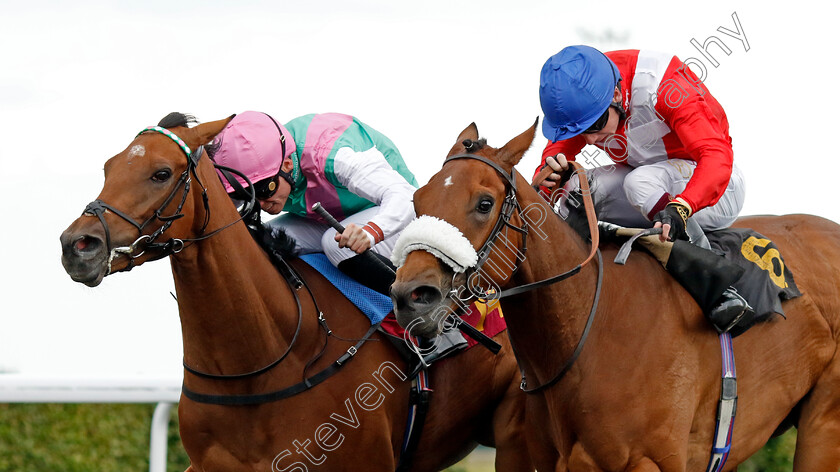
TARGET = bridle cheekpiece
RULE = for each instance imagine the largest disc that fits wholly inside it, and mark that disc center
(147, 242)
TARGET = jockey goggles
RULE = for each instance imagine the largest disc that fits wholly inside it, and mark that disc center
(266, 188)
(602, 121)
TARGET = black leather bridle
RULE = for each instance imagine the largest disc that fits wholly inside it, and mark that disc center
(147, 242)
(508, 206)
(250, 213)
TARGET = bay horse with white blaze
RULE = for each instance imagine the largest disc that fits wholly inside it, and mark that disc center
(250, 337)
(642, 395)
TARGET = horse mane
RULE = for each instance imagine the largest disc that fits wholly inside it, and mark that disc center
(274, 240)
(473, 146)
(211, 148)
(176, 119)
(576, 215)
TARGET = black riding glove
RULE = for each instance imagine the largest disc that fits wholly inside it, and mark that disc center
(675, 214)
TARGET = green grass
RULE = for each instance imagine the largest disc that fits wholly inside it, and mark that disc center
(81, 438)
(111, 437)
(776, 456)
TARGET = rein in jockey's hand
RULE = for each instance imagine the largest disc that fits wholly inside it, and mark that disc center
(355, 238)
(551, 172)
(673, 220)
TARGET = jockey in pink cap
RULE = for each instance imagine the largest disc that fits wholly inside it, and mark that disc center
(355, 172)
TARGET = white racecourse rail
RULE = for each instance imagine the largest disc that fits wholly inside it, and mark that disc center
(164, 391)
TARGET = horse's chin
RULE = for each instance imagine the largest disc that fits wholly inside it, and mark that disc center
(88, 273)
(423, 326)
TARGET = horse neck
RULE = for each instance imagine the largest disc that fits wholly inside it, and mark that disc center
(549, 321)
(237, 312)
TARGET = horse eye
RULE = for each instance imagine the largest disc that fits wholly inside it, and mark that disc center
(162, 175)
(485, 205)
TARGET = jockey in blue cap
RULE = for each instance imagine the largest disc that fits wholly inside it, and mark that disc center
(673, 162)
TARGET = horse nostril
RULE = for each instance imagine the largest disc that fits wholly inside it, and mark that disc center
(81, 244)
(425, 295)
(416, 298)
(86, 244)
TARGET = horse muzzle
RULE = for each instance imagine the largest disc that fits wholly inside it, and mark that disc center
(420, 308)
(84, 255)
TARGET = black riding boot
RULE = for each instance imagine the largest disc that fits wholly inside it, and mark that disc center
(369, 273)
(708, 277)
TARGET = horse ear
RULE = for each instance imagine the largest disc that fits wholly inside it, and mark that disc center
(205, 132)
(511, 153)
(470, 132)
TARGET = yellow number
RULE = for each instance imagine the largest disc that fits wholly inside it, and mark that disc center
(765, 262)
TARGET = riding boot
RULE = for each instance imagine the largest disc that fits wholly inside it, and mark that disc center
(708, 277)
(729, 310)
(721, 316)
(369, 273)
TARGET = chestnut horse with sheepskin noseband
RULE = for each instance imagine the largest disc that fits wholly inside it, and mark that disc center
(641, 394)
(268, 386)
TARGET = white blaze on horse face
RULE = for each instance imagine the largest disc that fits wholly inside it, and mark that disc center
(448, 181)
(136, 151)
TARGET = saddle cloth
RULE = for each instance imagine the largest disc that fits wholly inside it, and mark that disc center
(766, 282)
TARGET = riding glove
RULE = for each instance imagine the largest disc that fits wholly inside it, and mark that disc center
(675, 214)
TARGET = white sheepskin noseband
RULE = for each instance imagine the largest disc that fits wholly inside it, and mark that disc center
(438, 237)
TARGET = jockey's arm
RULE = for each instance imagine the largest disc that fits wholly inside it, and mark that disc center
(708, 144)
(368, 175)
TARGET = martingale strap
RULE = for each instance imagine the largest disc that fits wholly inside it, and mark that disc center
(571, 360)
(260, 398)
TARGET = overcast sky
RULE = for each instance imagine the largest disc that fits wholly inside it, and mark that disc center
(79, 79)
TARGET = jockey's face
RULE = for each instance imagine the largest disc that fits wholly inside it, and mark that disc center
(274, 204)
(610, 128)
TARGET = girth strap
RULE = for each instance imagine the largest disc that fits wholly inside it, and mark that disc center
(727, 405)
(418, 407)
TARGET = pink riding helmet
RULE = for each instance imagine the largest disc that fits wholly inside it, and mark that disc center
(250, 143)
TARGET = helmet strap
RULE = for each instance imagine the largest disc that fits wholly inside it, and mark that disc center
(621, 113)
(287, 176)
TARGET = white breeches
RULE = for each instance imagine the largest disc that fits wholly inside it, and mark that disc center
(626, 195)
(314, 236)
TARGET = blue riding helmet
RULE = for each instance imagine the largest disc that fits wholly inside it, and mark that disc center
(576, 88)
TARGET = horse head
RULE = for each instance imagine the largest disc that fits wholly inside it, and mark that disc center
(468, 238)
(153, 200)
